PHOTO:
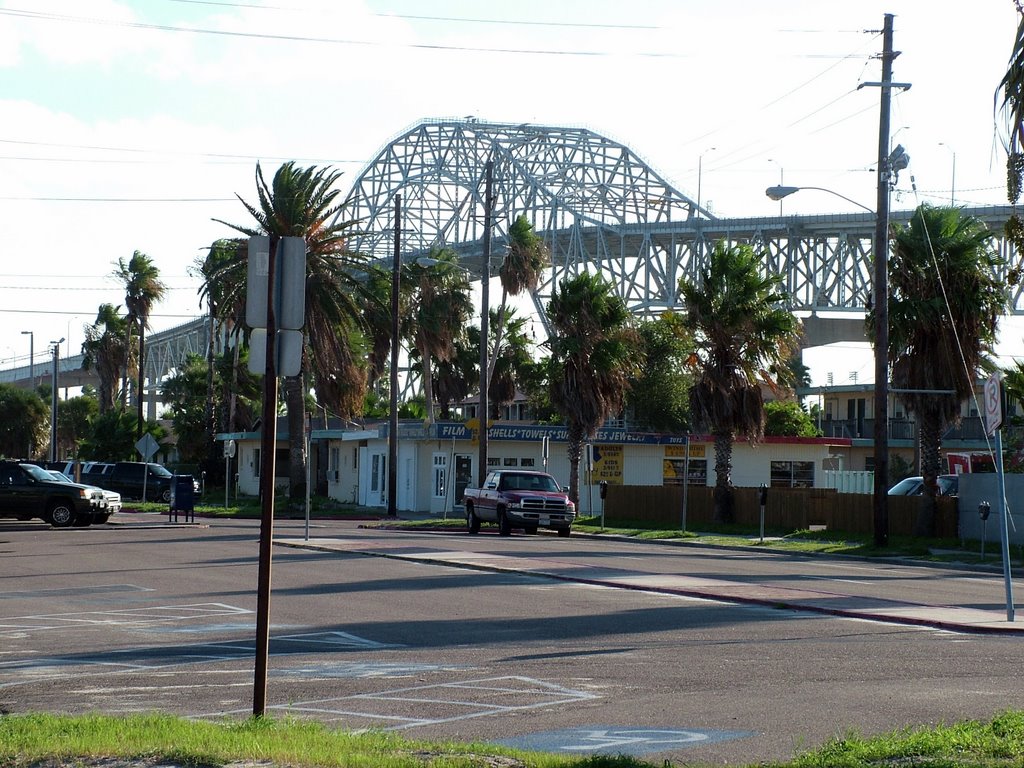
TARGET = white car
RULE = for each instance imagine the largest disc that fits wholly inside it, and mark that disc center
(112, 498)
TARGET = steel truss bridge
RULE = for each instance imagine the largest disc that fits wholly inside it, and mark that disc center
(598, 206)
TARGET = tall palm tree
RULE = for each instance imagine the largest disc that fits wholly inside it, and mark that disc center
(142, 289)
(593, 357)
(743, 335)
(526, 258)
(944, 309)
(441, 308)
(303, 202)
(104, 350)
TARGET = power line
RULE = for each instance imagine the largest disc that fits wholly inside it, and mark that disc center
(461, 19)
(345, 41)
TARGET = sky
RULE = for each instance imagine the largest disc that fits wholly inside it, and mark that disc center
(134, 124)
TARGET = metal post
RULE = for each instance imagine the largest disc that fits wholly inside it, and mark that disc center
(396, 266)
(1004, 527)
(53, 402)
(268, 462)
(485, 280)
(880, 295)
(686, 483)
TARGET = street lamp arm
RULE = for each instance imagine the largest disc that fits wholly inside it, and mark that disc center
(780, 191)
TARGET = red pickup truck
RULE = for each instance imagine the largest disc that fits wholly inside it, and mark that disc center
(519, 498)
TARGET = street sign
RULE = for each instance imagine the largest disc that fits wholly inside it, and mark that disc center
(289, 283)
(147, 447)
(287, 352)
(993, 404)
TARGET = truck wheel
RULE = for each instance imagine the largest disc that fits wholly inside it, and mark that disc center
(472, 521)
(563, 533)
(61, 514)
(165, 496)
(504, 526)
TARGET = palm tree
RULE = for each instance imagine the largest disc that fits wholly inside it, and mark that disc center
(441, 308)
(944, 308)
(142, 289)
(303, 202)
(526, 258)
(593, 356)
(1012, 106)
(743, 335)
(104, 350)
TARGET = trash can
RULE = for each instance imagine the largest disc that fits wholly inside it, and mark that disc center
(183, 498)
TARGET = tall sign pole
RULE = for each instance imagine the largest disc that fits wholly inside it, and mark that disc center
(993, 425)
(268, 463)
(485, 308)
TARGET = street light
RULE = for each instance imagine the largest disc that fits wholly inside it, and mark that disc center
(53, 400)
(31, 358)
(889, 167)
(779, 192)
(952, 183)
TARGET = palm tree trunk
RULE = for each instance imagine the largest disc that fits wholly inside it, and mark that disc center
(931, 436)
(294, 393)
(499, 331)
(140, 395)
(724, 502)
(127, 365)
(575, 451)
(428, 389)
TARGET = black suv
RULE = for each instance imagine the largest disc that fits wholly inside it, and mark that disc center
(28, 491)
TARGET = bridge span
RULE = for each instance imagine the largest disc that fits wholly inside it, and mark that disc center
(599, 207)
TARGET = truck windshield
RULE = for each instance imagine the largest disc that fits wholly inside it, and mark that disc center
(37, 472)
(159, 471)
(529, 483)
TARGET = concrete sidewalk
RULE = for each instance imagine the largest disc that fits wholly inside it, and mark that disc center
(815, 601)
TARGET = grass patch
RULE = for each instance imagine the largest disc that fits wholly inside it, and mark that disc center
(34, 739)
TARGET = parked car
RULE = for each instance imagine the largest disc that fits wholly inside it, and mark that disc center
(112, 497)
(28, 490)
(519, 499)
(129, 478)
(949, 485)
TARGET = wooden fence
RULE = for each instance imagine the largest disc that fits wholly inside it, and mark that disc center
(789, 509)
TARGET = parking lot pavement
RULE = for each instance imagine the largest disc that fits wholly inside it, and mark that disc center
(953, 618)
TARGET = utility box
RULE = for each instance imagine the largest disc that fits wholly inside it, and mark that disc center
(183, 498)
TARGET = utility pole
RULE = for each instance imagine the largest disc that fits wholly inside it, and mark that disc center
(485, 278)
(880, 294)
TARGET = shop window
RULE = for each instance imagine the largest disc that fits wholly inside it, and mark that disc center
(440, 469)
(792, 474)
(510, 461)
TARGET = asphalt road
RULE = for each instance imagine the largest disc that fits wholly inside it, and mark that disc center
(125, 619)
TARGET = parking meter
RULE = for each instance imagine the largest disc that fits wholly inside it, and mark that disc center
(603, 489)
(984, 508)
